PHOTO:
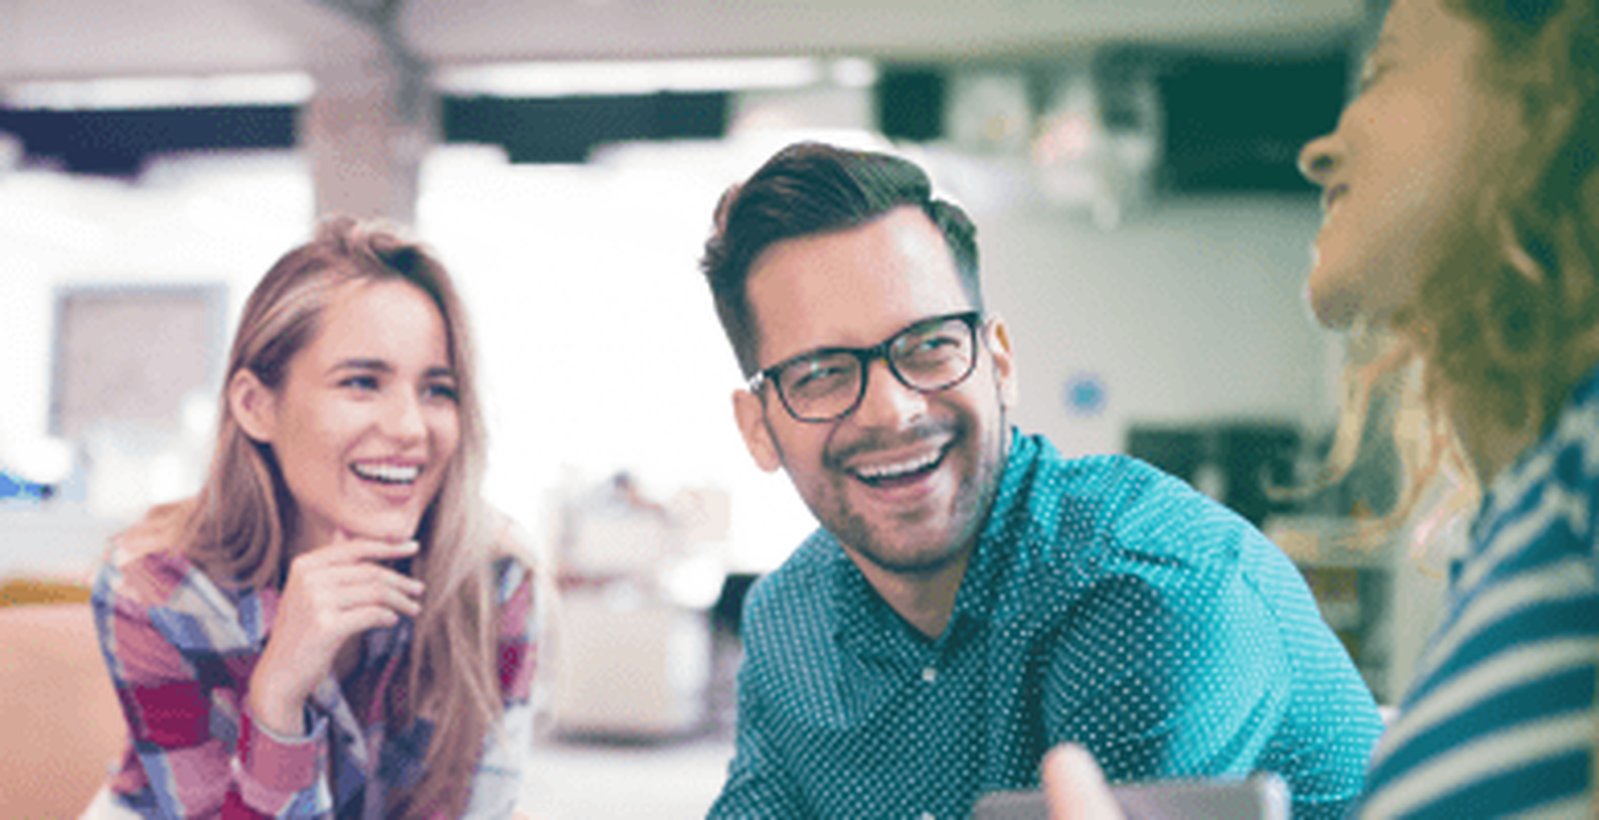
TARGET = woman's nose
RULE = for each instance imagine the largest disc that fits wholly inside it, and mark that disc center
(404, 420)
(1317, 160)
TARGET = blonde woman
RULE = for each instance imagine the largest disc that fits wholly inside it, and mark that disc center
(1462, 235)
(336, 624)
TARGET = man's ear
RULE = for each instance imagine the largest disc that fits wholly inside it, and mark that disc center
(1004, 363)
(750, 415)
(253, 405)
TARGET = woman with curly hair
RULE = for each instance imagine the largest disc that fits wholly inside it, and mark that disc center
(1460, 246)
(337, 624)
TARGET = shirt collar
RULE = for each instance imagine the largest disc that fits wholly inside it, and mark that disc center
(863, 619)
(991, 558)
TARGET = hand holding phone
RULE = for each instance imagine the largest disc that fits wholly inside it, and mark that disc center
(1261, 796)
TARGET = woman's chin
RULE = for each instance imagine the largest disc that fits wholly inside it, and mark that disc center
(1333, 306)
(390, 531)
(1333, 315)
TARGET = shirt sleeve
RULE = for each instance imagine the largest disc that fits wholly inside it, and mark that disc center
(758, 785)
(1161, 681)
(199, 756)
(508, 747)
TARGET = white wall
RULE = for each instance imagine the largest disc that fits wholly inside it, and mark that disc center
(1191, 310)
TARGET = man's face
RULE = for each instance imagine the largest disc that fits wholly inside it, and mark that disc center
(905, 480)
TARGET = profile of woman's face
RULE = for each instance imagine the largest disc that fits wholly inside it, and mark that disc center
(1405, 164)
(365, 422)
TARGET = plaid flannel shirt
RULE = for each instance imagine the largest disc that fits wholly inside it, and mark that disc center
(181, 649)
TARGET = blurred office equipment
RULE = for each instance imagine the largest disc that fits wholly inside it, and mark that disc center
(18, 490)
(1234, 462)
(639, 578)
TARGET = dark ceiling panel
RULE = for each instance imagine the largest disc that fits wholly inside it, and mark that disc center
(545, 130)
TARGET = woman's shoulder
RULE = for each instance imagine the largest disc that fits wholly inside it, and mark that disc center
(146, 561)
(1565, 461)
(515, 557)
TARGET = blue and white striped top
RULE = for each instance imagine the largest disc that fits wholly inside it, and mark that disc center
(1502, 717)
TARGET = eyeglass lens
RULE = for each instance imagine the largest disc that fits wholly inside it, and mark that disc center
(925, 357)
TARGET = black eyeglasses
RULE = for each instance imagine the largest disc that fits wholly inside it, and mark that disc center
(828, 384)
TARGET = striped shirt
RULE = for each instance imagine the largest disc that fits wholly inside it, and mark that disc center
(181, 648)
(1502, 716)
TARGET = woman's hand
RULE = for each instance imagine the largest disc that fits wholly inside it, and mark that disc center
(1075, 786)
(332, 594)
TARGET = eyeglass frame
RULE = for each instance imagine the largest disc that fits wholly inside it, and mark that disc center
(973, 319)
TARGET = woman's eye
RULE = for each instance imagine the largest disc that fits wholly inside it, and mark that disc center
(360, 382)
(441, 391)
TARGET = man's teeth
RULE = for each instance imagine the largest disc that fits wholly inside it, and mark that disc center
(388, 473)
(881, 471)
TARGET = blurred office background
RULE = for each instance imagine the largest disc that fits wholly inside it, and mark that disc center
(1129, 164)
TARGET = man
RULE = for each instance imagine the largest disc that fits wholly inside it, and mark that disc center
(973, 598)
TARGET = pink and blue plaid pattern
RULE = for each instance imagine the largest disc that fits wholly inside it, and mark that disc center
(181, 648)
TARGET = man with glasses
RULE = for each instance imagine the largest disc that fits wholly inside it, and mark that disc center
(973, 598)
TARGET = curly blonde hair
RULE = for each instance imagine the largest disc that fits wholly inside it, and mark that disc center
(1507, 324)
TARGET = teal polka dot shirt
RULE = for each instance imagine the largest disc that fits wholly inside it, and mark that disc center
(1106, 603)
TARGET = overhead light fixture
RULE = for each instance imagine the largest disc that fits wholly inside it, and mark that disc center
(286, 88)
(613, 77)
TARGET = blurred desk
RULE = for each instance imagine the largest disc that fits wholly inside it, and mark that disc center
(639, 580)
(53, 540)
(630, 665)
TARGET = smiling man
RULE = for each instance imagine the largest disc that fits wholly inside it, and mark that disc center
(972, 598)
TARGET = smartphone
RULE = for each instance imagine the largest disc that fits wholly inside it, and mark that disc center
(1261, 796)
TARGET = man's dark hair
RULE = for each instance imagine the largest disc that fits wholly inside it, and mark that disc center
(811, 188)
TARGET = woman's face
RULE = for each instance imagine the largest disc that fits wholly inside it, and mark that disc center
(1401, 172)
(365, 422)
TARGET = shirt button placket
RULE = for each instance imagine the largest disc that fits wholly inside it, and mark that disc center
(929, 676)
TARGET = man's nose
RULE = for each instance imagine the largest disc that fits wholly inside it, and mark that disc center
(887, 401)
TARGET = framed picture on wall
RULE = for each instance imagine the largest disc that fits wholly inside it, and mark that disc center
(129, 355)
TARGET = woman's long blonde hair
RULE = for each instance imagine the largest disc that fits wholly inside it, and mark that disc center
(1501, 331)
(237, 527)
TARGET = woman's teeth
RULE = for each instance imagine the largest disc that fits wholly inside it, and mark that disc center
(388, 473)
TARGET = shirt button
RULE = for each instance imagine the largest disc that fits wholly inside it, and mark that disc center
(926, 815)
(928, 676)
